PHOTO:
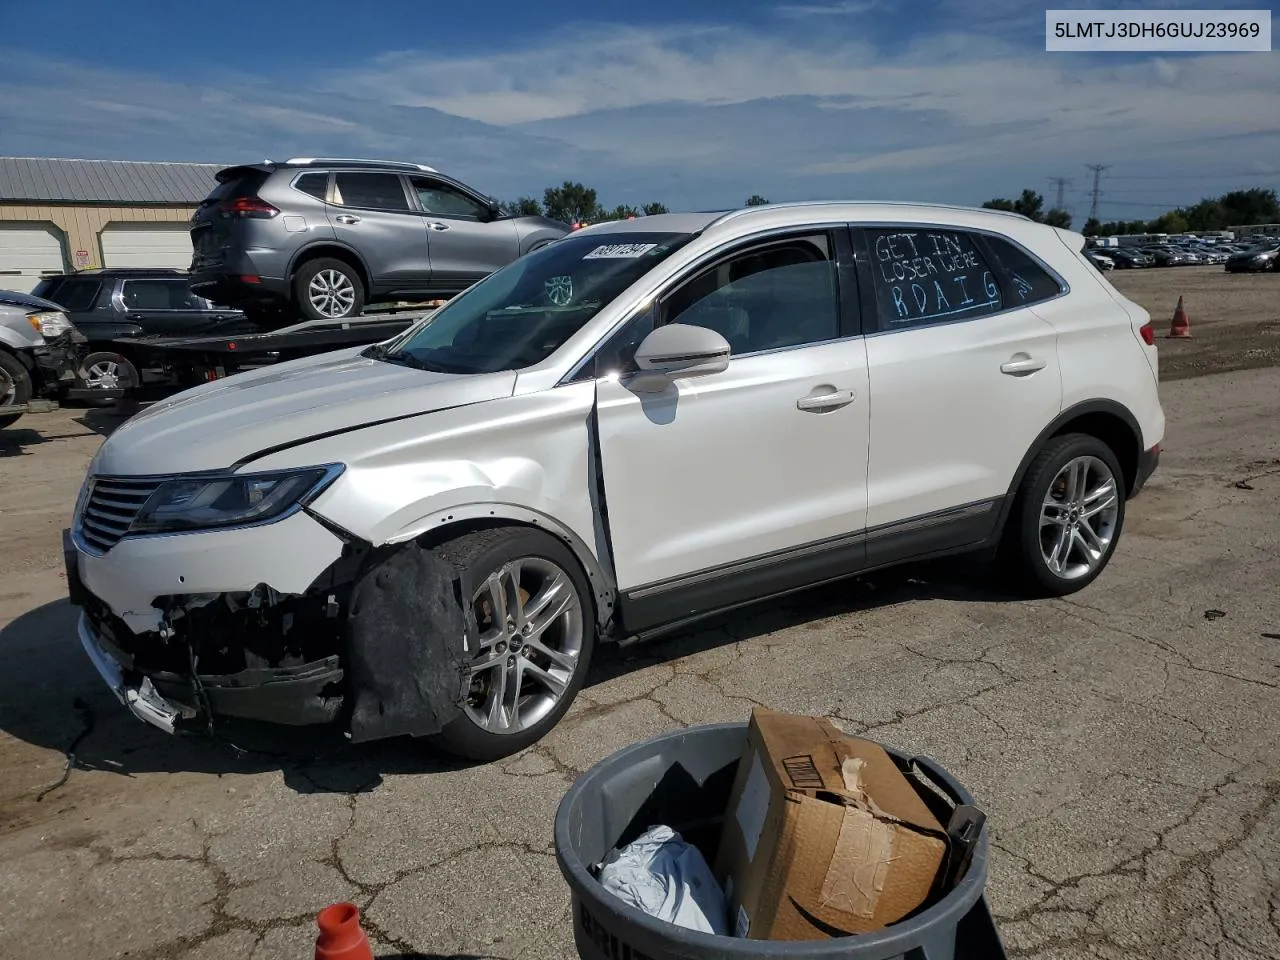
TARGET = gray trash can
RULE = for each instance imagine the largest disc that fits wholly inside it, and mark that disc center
(683, 780)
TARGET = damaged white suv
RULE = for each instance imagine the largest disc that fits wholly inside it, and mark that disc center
(644, 423)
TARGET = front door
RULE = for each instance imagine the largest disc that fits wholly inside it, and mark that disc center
(964, 376)
(465, 242)
(371, 213)
(744, 483)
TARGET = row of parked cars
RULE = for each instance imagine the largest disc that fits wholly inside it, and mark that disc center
(1236, 257)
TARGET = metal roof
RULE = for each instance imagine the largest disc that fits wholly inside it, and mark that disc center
(52, 180)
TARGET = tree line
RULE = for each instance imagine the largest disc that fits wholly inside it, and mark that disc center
(1235, 209)
(573, 202)
(1238, 208)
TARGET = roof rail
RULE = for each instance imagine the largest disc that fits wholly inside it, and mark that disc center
(741, 211)
(357, 162)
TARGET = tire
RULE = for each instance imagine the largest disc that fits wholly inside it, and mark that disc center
(15, 387)
(1031, 547)
(345, 291)
(105, 369)
(543, 560)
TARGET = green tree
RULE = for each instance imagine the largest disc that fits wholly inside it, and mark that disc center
(1030, 205)
(1092, 227)
(755, 200)
(523, 207)
(621, 212)
(653, 209)
(1058, 218)
(571, 203)
(1171, 222)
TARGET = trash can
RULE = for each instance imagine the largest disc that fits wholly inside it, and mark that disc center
(683, 780)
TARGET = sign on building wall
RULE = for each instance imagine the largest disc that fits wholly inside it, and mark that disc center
(82, 258)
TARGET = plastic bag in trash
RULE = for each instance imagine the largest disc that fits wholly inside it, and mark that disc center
(669, 879)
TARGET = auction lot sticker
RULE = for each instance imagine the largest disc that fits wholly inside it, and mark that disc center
(619, 251)
(1136, 31)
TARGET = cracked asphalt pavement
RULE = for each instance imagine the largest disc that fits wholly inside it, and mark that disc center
(1123, 742)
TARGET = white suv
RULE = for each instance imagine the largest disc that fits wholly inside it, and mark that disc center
(642, 424)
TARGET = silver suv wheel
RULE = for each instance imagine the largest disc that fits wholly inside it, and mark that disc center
(1078, 517)
(530, 623)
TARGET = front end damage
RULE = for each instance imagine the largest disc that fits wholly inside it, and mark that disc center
(338, 651)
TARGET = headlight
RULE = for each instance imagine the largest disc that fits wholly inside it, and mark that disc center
(200, 503)
(50, 324)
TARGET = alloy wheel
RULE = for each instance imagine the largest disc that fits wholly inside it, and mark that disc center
(331, 293)
(8, 389)
(1078, 517)
(103, 375)
(531, 634)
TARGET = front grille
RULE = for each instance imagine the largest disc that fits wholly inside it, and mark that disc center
(111, 507)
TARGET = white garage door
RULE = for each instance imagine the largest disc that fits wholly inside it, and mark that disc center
(150, 245)
(27, 252)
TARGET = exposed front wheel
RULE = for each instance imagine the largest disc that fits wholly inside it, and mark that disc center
(328, 289)
(1068, 515)
(15, 387)
(530, 629)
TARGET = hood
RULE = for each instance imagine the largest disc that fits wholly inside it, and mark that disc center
(218, 425)
(26, 300)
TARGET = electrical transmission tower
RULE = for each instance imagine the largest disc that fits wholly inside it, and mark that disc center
(1061, 183)
(1097, 169)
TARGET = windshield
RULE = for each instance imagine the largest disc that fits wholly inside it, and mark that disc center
(524, 312)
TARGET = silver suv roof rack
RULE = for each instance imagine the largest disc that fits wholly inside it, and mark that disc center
(356, 161)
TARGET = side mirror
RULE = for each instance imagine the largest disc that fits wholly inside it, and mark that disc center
(682, 350)
(495, 210)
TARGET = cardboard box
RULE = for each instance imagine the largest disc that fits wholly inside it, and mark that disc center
(824, 836)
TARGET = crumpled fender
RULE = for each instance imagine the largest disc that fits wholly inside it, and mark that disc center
(405, 647)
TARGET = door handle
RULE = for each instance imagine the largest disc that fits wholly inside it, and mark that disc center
(347, 218)
(1022, 364)
(826, 401)
(437, 225)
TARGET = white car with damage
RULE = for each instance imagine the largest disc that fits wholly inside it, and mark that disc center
(641, 425)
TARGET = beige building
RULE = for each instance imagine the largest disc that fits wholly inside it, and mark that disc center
(60, 215)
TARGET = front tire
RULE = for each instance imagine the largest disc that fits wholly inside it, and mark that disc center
(328, 289)
(15, 388)
(531, 630)
(1067, 516)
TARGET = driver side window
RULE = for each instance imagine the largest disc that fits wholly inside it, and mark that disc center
(770, 296)
(783, 294)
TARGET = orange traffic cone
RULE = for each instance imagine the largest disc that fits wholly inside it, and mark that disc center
(1180, 328)
(341, 936)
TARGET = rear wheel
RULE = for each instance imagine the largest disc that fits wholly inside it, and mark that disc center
(15, 387)
(328, 289)
(1068, 515)
(105, 370)
(530, 634)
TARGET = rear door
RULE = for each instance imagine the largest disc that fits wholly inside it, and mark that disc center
(466, 244)
(169, 308)
(371, 213)
(963, 377)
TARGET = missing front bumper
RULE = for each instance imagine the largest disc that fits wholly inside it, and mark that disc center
(294, 696)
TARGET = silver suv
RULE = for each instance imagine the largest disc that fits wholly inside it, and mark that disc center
(326, 237)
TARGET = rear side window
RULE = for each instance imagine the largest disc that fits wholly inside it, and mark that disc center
(372, 191)
(75, 295)
(925, 276)
(160, 295)
(1026, 281)
(314, 184)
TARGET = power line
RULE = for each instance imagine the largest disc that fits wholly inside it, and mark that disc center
(1097, 169)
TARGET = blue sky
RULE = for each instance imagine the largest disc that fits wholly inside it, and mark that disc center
(696, 103)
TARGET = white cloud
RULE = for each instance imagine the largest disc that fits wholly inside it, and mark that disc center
(806, 106)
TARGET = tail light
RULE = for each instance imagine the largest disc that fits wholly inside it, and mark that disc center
(252, 208)
(1148, 333)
